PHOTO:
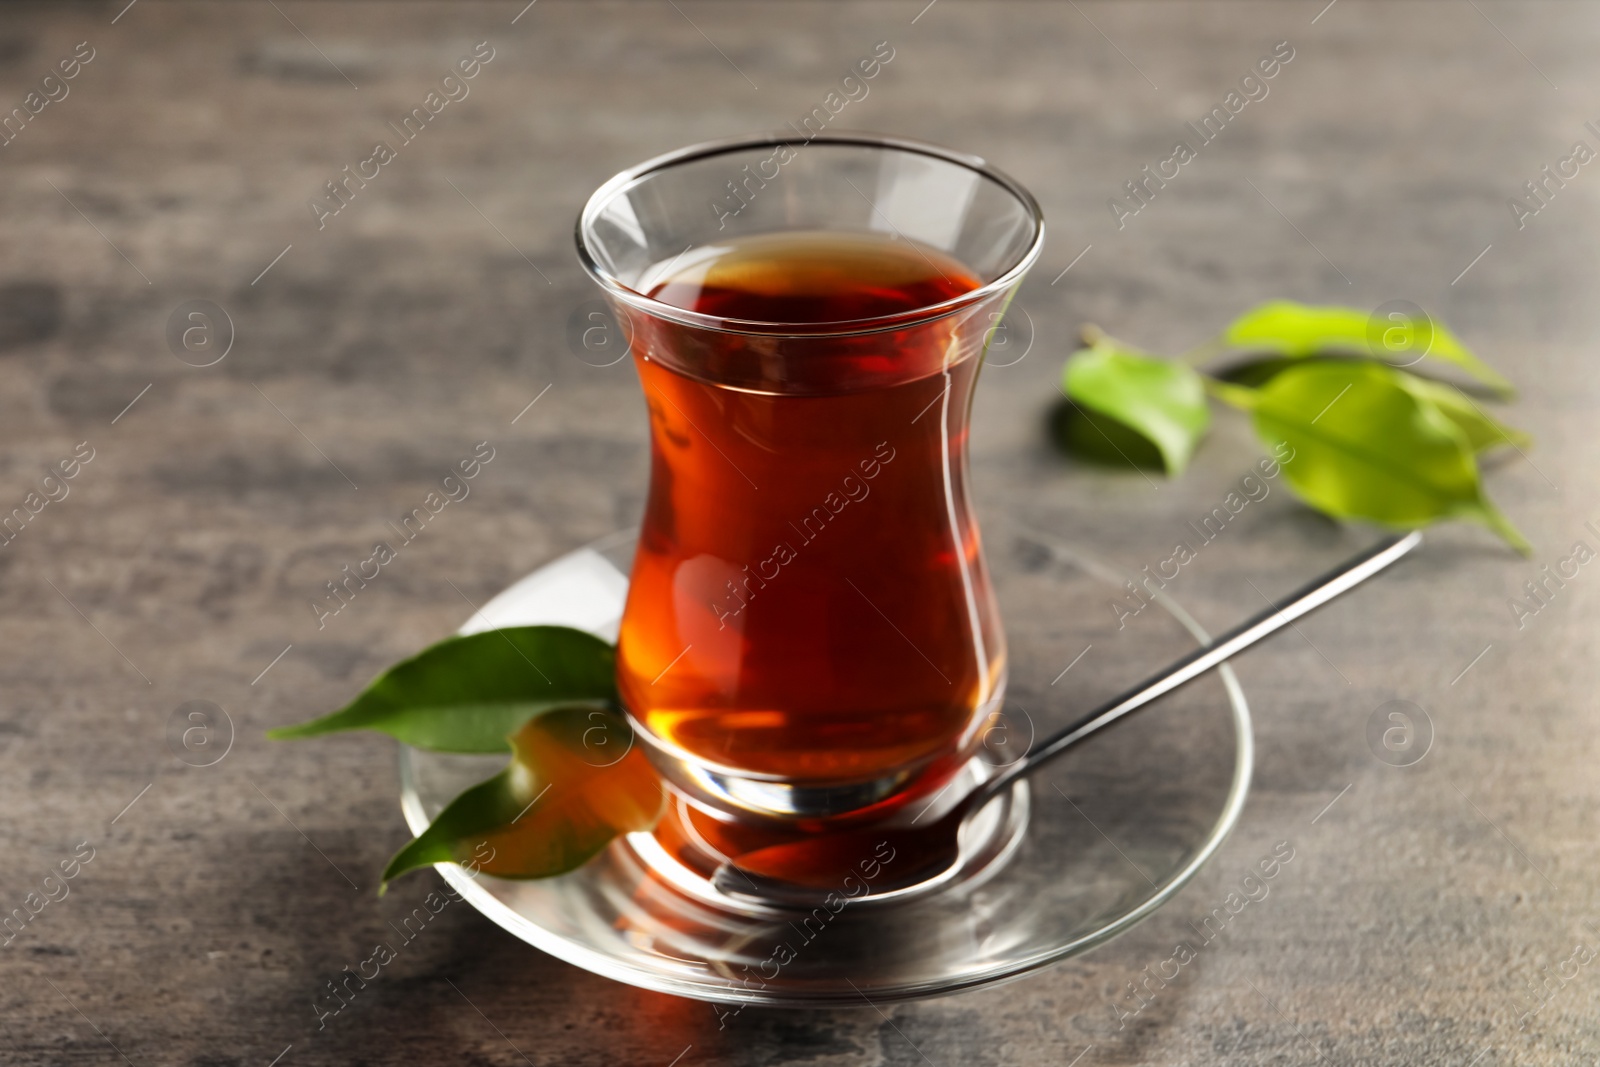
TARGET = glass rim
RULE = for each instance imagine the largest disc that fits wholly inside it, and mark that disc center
(626, 179)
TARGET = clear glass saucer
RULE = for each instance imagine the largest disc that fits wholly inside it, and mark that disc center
(1106, 834)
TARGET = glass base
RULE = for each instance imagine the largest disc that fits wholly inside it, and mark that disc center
(768, 797)
(681, 855)
(1107, 835)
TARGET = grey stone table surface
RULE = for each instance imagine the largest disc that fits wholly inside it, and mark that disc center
(374, 350)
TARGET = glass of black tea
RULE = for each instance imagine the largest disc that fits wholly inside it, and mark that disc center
(810, 630)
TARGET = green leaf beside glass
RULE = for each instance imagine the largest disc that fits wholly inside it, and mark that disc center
(1160, 400)
(1400, 337)
(1369, 445)
(1372, 438)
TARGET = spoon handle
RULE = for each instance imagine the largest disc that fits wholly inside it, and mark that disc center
(1313, 595)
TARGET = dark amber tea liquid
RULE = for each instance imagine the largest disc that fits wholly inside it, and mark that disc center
(808, 602)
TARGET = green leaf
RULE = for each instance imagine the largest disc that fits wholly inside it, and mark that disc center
(1400, 338)
(1255, 373)
(1092, 436)
(1483, 430)
(1368, 445)
(563, 797)
(1161, 400)
(467, 694)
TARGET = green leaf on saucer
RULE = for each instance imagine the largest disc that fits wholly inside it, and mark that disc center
(467, 694)
(1287, 329)
(1161, 400)
(1368, 444)
(574, 783)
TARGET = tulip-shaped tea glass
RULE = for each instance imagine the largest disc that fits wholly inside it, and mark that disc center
(809, 629)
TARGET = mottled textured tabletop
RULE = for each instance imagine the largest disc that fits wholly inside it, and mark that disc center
(1443, 912)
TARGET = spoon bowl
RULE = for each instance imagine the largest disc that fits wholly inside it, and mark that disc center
(806, 872)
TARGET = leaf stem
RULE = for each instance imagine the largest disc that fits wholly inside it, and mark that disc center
(1239, 396)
